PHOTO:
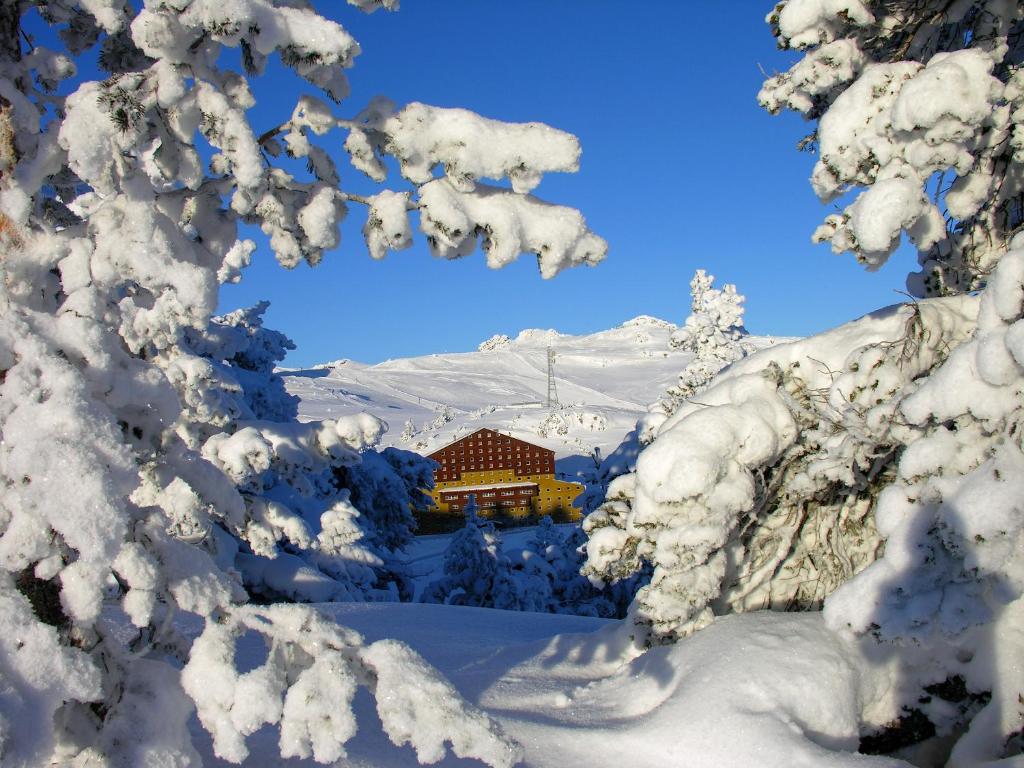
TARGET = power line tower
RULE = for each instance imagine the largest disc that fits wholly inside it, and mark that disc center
(552, 390)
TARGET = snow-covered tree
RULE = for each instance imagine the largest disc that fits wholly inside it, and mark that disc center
(245, 353)
(331, 522)
(305, 539)
(140, 463)
(714, 336)
(445, 415)
(713, 333)
(874, 470)
(557, 558)
(476, 571)
(715, 319)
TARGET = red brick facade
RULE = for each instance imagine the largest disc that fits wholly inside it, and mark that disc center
(508, 477)
(486, 450)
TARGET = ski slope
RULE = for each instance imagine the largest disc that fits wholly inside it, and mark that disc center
(604, 382)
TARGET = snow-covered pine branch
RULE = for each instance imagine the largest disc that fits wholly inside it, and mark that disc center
(917, 104)
(149, 457)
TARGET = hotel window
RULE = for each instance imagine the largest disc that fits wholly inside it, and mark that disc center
(489, 493)
(454, 506)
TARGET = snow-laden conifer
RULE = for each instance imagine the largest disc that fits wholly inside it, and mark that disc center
(476, 570)
(713, 333)
(556, 556)
(873, 470)
(713, 336)
(148, 460)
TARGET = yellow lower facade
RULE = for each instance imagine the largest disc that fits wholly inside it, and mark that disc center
(554, 497)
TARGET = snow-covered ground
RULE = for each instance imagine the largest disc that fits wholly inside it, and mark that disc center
(763, 689)
(604, 380)
(758, 689)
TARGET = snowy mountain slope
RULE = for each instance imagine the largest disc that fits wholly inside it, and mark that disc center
(604, 381)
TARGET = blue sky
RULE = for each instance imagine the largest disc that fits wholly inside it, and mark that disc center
(680, 170)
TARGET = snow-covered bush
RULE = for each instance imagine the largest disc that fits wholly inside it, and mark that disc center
(552, 425)
(558, 423)
(876, 469)
(144, 462)
(445, 415)
(543, 577)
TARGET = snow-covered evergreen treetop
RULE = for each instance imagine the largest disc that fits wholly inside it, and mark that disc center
(715, 319)
(919, 104)
(713, 332)
(144, 446)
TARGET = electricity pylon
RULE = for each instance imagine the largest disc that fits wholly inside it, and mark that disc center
(552, 390)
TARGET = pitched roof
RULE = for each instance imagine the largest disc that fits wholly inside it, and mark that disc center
(491, 431)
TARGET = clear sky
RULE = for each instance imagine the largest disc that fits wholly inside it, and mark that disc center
(680, 170)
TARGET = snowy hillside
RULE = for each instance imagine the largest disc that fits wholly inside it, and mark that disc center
(604, 382)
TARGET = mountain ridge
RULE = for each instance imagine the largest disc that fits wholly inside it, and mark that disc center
(605, 380)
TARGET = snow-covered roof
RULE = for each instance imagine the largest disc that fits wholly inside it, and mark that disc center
(487, 487)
